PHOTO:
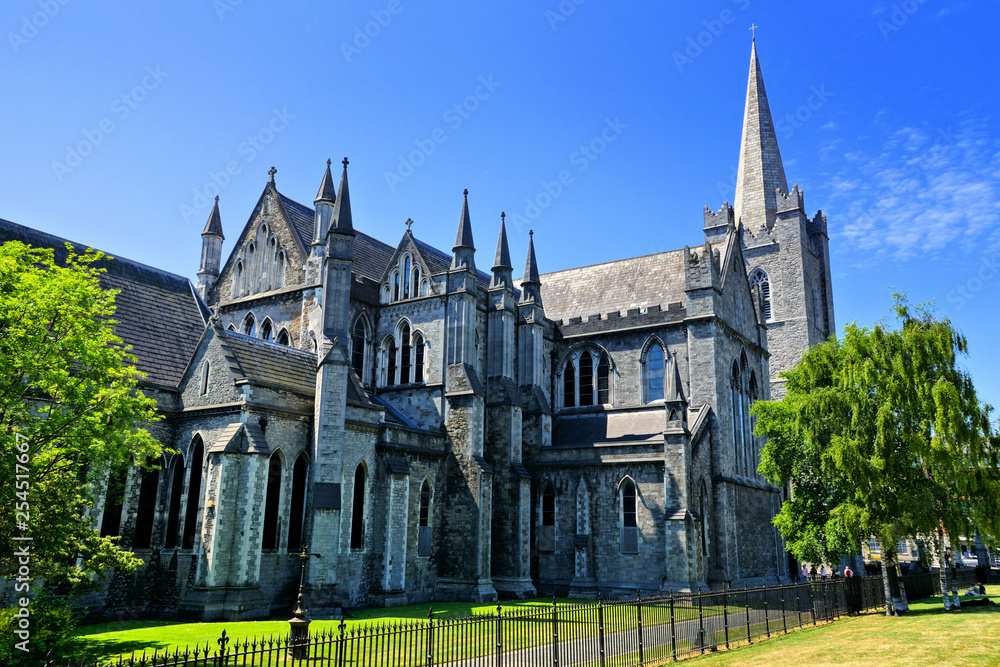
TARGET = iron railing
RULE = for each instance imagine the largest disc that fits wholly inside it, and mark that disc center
(616, 633)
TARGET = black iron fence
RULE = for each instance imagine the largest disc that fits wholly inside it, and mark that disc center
(617, 633)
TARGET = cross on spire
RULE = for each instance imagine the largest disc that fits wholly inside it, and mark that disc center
(345, 163)
(753, 33)
(272, 171)
(409, 221)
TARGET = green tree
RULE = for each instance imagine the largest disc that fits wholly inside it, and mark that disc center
(70, 412)
(881, 434)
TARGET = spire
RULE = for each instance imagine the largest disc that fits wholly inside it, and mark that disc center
(760, 171)
(214, 224)
(326, 191)
(531, 282)
(342, 222)
(464, 237)
(501, 261)
(463, 254)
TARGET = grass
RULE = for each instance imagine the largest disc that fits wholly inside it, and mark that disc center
(927, 635)
(104, 641)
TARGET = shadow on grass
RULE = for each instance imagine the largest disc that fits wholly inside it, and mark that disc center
(935, 607)
(100, 649)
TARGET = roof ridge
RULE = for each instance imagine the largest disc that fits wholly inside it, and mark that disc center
(615, 261)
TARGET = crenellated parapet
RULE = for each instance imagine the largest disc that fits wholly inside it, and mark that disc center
(790, 202)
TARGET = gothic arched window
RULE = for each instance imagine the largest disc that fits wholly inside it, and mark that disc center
(424, 521)
(736, 403)
(390, 363)
(174, 509)
(296, 512)
(194, 495)
(653, 373)
(283, 338)
(760, 281)
(753, 397)
(279, 270)
(146, 511)
(205, 369)
(358, 509)
(266, 330)
(404, 353)
(418, 358)
(251, 270)
(237, 289)
(249, 326)
(359, 345)
(406, 277)
(587, 379)
(270, 532)
(111, 520)
(395, 286)
(629, 518)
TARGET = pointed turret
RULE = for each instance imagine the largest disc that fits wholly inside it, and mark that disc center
(502, 270)
(531, 282)
(464, 251)
(211, 252)
(325, 200)
(760, 170)
(342, 222)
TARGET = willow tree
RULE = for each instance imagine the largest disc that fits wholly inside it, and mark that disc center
(881, 434)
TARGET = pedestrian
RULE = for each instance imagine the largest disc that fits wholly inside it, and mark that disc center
(847, 572)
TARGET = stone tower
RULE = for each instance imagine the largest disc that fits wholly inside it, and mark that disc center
(787, 253)
(211, 252)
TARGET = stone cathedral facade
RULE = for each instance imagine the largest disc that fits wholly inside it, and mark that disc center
(437, 426)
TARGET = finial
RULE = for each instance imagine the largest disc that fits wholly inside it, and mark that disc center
(466, 193)
(503, 216)
(216, 199)
(272, 171)
(753, 32)
(409, 221)
(531, 232)
(345, 163)
(328, 162)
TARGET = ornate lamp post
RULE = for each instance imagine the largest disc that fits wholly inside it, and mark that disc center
(298, 634)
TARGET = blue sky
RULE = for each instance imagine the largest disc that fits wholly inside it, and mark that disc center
(120, 121)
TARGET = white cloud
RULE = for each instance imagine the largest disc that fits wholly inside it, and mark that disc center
(920, 194)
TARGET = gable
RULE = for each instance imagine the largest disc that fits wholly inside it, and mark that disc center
(736, 286)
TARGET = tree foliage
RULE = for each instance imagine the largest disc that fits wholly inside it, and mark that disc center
(68, 388)
(881, 434)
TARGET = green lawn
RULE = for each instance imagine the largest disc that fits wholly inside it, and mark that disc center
(927, 635)
(104, 641)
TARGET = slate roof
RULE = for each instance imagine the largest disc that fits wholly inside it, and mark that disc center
(261, 362)
(371, 256)
(609, 428)
(158, 313)
(614, 286)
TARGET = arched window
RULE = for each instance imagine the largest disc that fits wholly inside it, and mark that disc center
(174, 511)
(415, 280)
(418, 358)
(279, 270)
(745, 412)
(653, 372)
(406, 277)
(424, 286)
(629, 518)
(270, 532)
(569, 384)
(205, 367)
(586, 378)
(111, 520)
(231, 327)
(404, 354)
(359, 344)
(390, 362)
(752, 398)
(358, 509)
(296, 512)
(237, 289)
(703, 512)
(266, 331)
(736, 400)
(283, 338)
(760, 281)
(194, 495)
(424, 521)
(249, 326)
(251, 272)
(395, 286)
(272, 263)
(547, 534)
(146, 510)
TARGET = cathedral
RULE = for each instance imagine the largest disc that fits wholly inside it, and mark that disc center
(436, 426)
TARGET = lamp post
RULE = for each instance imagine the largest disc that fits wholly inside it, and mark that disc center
(298, 635)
